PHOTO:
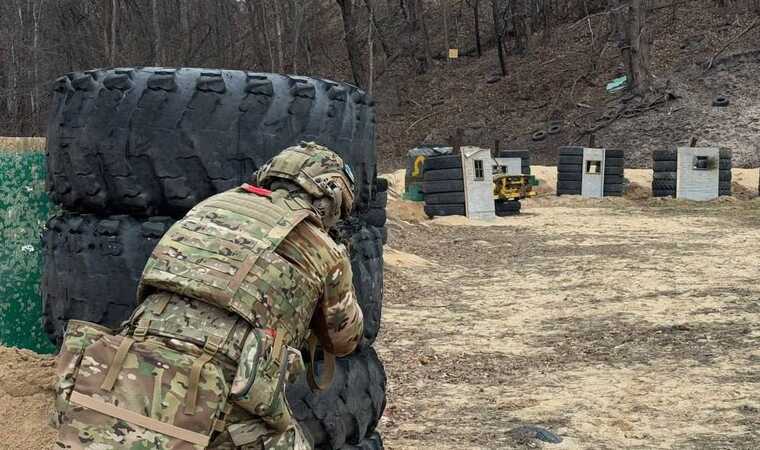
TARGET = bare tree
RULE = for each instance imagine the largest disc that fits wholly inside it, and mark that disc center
(498, 33)
(475, 5)
(156, 33)
(350, 38)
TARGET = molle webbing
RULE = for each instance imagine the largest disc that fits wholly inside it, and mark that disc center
(210, 254)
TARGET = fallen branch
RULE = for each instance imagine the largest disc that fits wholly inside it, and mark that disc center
(731, 41)
(427, 116)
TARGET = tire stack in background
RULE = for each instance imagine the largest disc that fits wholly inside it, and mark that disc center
(665, 174)
(129, 151)
(664, 165)
(443, 185)
(570, 172)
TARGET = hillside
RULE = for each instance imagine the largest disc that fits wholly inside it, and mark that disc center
(557, 80)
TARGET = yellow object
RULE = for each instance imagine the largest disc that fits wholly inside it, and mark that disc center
(418, 162)
(512, 187)
(453, 53)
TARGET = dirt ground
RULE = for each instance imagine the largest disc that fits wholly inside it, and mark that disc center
(616, 323)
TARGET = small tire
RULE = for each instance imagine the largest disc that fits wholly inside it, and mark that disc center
(507, 208)
(572, 186)
(569, 176)
(664, 155)
(570, 168)
(665, 166)
(663, 193)
(442, 162)
(444, 198)
(445, 210)
(570, 159)
(613, 179)
(664, 176)
(443, 174)
(663, 185)
(571, 151)
(539, 136)
(434, 187)
(721, 101)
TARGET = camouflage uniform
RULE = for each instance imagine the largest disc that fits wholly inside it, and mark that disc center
(229, 295)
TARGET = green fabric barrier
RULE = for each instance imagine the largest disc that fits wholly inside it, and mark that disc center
(24, 209)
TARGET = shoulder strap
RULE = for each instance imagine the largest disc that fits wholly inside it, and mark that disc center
(328, 370)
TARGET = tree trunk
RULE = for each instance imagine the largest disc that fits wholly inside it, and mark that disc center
(278, 30)
(300, 11)
(420, 13)
(370, 49)
(639, 37)
(157, 57)
(349, 36)
(498, 35)
(114, 18)
(476, 13)
(445, 13)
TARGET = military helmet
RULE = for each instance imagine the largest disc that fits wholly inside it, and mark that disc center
(318, 171)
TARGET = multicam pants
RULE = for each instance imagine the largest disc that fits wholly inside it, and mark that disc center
(254, 435)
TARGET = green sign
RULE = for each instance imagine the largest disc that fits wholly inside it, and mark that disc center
(24, 209)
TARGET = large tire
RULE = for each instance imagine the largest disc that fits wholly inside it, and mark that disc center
(570, 186)
(570, 159)
(663, 185)
(93, 264)
(372, 442)
(569, 176)
(347, 413)
(572, 151)
(155, 141)
(664, 176)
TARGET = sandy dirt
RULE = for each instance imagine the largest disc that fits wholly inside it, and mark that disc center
(616, 323)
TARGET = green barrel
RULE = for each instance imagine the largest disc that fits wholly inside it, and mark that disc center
(24, 209)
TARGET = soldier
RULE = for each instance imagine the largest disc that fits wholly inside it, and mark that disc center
(227, 299)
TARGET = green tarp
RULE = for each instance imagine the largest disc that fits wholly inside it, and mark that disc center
(24, 209)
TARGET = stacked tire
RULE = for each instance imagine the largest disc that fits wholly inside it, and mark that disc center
(664, 170)
(443, 186)
(129, 151)
(664, 173)
(570, 172)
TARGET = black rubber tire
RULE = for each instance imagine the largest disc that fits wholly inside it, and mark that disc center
(725, 153)
(569, 192)
(663, 185)
(444, 198)
(611, 193)
(156, 141)
(569, 176)
(619, 171)
(663, 193)
(445, 210)
(721, 101)
(570, 160)
(381, 185)
(664, 155)
(539, 136)
(442, 162)
(434, 187)
(613, 154)
(554, 129)
(347, 413)
(724, 186)
(372, 442)
(725, 175)
(525, 169)
(614, 163)
(375, 217)
(570, 168)
(92, 266)
(571, 186)
(443, 175)
(724, 164)
(507, 208)
(664, 176)
(611, 189)
(664, 166)
(571, 151)
(613, 179)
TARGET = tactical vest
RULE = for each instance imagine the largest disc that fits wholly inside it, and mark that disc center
(223, 253)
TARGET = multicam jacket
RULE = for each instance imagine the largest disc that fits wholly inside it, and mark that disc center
(244, 277)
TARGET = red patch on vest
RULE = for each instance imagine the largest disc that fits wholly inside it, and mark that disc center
(260, 191)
